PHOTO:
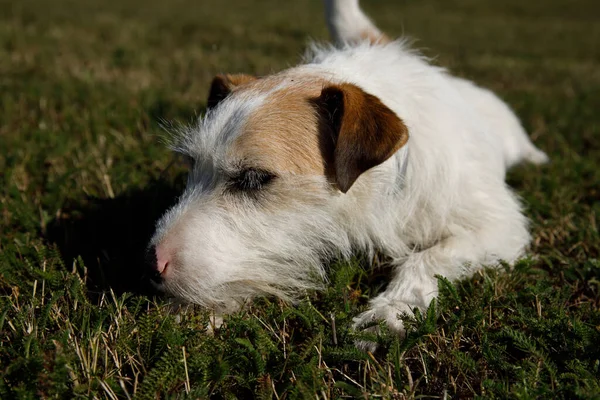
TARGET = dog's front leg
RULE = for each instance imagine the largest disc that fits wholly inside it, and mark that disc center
(414, 282)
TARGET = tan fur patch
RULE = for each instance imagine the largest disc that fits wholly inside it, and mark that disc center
(312, 127)
(283, 135)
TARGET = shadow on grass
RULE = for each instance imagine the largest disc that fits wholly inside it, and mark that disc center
(111, 235)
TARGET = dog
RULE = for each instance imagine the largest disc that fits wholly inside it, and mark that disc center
(364, 146)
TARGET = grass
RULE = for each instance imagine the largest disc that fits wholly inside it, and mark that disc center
(83, 176)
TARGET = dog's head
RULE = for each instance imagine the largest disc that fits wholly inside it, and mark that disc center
(272, 185)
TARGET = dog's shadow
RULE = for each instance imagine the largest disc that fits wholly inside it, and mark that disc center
(111, 236)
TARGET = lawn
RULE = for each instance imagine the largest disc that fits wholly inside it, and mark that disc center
(84, 173)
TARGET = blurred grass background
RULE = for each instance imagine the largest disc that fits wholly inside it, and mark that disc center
(83, 176)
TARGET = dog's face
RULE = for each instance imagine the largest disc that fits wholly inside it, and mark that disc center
(270, 165)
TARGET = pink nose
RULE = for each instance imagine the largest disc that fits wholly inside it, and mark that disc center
(162, 261)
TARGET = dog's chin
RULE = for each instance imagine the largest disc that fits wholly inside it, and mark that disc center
(225, 297)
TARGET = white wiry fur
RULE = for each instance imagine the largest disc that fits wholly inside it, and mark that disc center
(439, 206)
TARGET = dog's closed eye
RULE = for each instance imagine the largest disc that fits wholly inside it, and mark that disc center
(250, 180)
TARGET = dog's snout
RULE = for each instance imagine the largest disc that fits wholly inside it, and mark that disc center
(157, 263)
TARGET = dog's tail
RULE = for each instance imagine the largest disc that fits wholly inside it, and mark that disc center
(348, 23)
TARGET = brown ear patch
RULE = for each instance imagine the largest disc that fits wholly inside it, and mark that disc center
(361, 132)
(222, 85)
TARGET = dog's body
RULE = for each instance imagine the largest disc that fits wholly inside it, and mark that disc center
(365, 146)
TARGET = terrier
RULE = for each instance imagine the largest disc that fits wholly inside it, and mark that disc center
(363, 146)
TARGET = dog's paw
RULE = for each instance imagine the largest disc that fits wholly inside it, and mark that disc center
(388, 312)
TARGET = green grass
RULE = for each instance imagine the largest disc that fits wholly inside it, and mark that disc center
(83, 176)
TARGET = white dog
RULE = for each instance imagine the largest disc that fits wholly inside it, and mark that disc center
(364, 146)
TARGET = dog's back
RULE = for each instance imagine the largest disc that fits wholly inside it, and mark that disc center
(348, 25)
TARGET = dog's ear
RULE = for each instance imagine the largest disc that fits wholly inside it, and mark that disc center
(360, 132)
(222, 85)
